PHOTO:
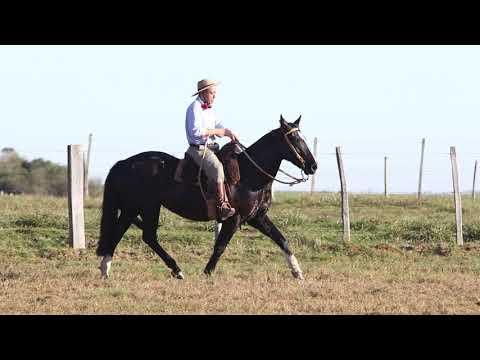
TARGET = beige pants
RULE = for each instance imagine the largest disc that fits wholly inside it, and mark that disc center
(212, 167)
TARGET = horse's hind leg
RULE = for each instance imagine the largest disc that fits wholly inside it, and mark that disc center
(150, 218)
(122, 225)
(266, 227)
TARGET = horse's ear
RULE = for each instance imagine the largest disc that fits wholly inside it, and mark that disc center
(297, 122)
(283, 123)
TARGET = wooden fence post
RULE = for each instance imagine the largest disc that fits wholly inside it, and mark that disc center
(457, 196)
(75, 196)
(421, 170)
(474, 178)
(87, 164)
(344, 193)
(312, 189)
(385, 176)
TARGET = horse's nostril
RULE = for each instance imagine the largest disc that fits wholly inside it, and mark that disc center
(314, 167)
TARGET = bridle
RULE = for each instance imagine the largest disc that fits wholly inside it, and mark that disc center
(295, 152)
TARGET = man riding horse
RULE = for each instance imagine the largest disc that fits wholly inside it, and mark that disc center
(138, 187)
(201, 125)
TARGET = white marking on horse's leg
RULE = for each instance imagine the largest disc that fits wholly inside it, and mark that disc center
(293, 264)
(178, 275)
(105, 266)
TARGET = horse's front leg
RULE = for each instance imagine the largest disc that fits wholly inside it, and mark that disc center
(229, 227)
(266, 227)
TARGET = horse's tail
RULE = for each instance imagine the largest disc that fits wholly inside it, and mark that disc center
(109, 216)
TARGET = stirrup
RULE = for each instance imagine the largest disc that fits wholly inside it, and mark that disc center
(224, 211)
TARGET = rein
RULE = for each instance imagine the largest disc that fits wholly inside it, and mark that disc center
(243, 149)
(296, 180)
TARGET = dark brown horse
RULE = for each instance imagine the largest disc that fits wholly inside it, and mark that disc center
(141, 184)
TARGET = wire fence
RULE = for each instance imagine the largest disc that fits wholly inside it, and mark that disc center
(365, 170)
(387, 169)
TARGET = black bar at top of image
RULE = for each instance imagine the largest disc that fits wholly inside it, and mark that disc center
(323, 28)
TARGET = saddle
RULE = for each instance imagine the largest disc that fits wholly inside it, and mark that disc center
(187, 170)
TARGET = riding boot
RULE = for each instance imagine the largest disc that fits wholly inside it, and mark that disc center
(224, 210)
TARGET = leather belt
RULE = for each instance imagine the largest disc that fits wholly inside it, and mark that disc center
(197, 145)
(213, 146)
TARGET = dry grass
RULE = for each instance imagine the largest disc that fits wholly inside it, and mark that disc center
(391, 267)
(74, 288)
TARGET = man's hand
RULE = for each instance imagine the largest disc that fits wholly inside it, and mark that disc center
(221, 133)
(231, 135)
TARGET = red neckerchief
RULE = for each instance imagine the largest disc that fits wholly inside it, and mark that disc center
(206, 106)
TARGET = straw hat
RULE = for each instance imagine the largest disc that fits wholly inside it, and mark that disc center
(204, 85)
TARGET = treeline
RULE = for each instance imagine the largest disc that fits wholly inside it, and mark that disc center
(40, 177)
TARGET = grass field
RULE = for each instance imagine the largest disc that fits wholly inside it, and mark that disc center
(402, 259)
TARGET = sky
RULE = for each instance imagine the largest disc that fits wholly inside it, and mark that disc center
(373, 101)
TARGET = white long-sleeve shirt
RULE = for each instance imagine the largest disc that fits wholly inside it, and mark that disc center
(197, 122)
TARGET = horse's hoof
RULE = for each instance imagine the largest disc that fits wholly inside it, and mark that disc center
(105, 266)
(178, 275)
(103, 274)
(298, 275)
(208, 273)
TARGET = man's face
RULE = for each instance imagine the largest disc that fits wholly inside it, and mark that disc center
(209, 95)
